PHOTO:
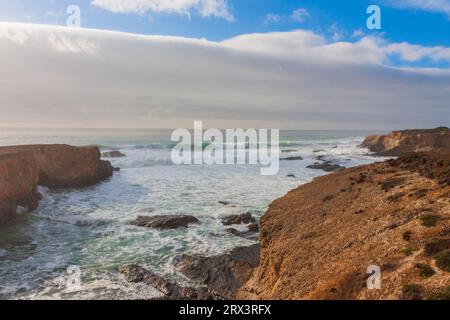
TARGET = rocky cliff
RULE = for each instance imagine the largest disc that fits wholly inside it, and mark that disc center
(22, 168)
(401, 142)
(318, 241)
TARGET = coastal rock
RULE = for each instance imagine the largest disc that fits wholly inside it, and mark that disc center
(164, 222)
(64, 166)
(244, 218)
(18, 183)
(136, 273)
(402, 142)
(318, 240)
(222, 274)
(23, 168)
(113, 154)
(291, 158)
(251, 233)
(326, 166)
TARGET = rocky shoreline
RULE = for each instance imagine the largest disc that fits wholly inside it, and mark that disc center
(23, 168)
(318, 241)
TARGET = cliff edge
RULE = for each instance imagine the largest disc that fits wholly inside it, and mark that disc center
(318, 241)
(401, 142)
(23, 168)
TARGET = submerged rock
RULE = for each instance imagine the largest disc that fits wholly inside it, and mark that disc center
(113, 154)
(326, 166)
(222, 274)
(292, 158)
(164, 222)
(244, 218)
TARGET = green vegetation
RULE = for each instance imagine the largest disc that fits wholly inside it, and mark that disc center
(443, 260)
(408, 251)
(425, 270)
(429, 220)
(412, 291)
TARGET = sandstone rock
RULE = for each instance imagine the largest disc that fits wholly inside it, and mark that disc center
(222, 274)
(238, 219)
(402, 142)
(18, 182)
(22, 168)
(311, 249)
(113, 154)
(164, 222)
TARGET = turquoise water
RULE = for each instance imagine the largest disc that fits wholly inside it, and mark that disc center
(88, 227)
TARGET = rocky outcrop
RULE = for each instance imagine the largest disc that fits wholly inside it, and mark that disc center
(222, 274)
(402, 142)
(244, 218)
(318, 241)
(164, 222)
(217, 277)
(18, 180)
(22, 168)
(326, 166)
(169, 290)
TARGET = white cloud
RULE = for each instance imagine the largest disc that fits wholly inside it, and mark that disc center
(206, 8)
(425, 5)
(300, 15)
(271, 18)
(61, 77)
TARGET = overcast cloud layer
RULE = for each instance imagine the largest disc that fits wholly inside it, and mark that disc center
(59, 77)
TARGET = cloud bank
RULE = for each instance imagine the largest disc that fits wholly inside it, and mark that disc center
(60, 77)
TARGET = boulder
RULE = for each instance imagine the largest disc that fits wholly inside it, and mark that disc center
(135, 273)
(164, 222)
(402, 142)
(244, 218)
(221, 274)
(326, 166)
(292, 158)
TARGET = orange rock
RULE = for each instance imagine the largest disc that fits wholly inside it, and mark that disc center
(22, 168)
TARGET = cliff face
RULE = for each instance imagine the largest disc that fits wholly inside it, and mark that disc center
(401, 142)
(22, 168)
(318, 241)
(18, 180)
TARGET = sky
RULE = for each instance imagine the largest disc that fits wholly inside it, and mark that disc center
(306, 64)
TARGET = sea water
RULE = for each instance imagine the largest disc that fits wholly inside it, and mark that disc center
(89, 227)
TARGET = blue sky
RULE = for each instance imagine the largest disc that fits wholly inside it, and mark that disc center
(411, 22)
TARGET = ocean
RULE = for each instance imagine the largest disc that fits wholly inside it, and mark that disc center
(89, 227)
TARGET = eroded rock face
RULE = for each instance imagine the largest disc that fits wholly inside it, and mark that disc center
(164, 222)
(318, 240)
(22, 168)
(402, 142)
